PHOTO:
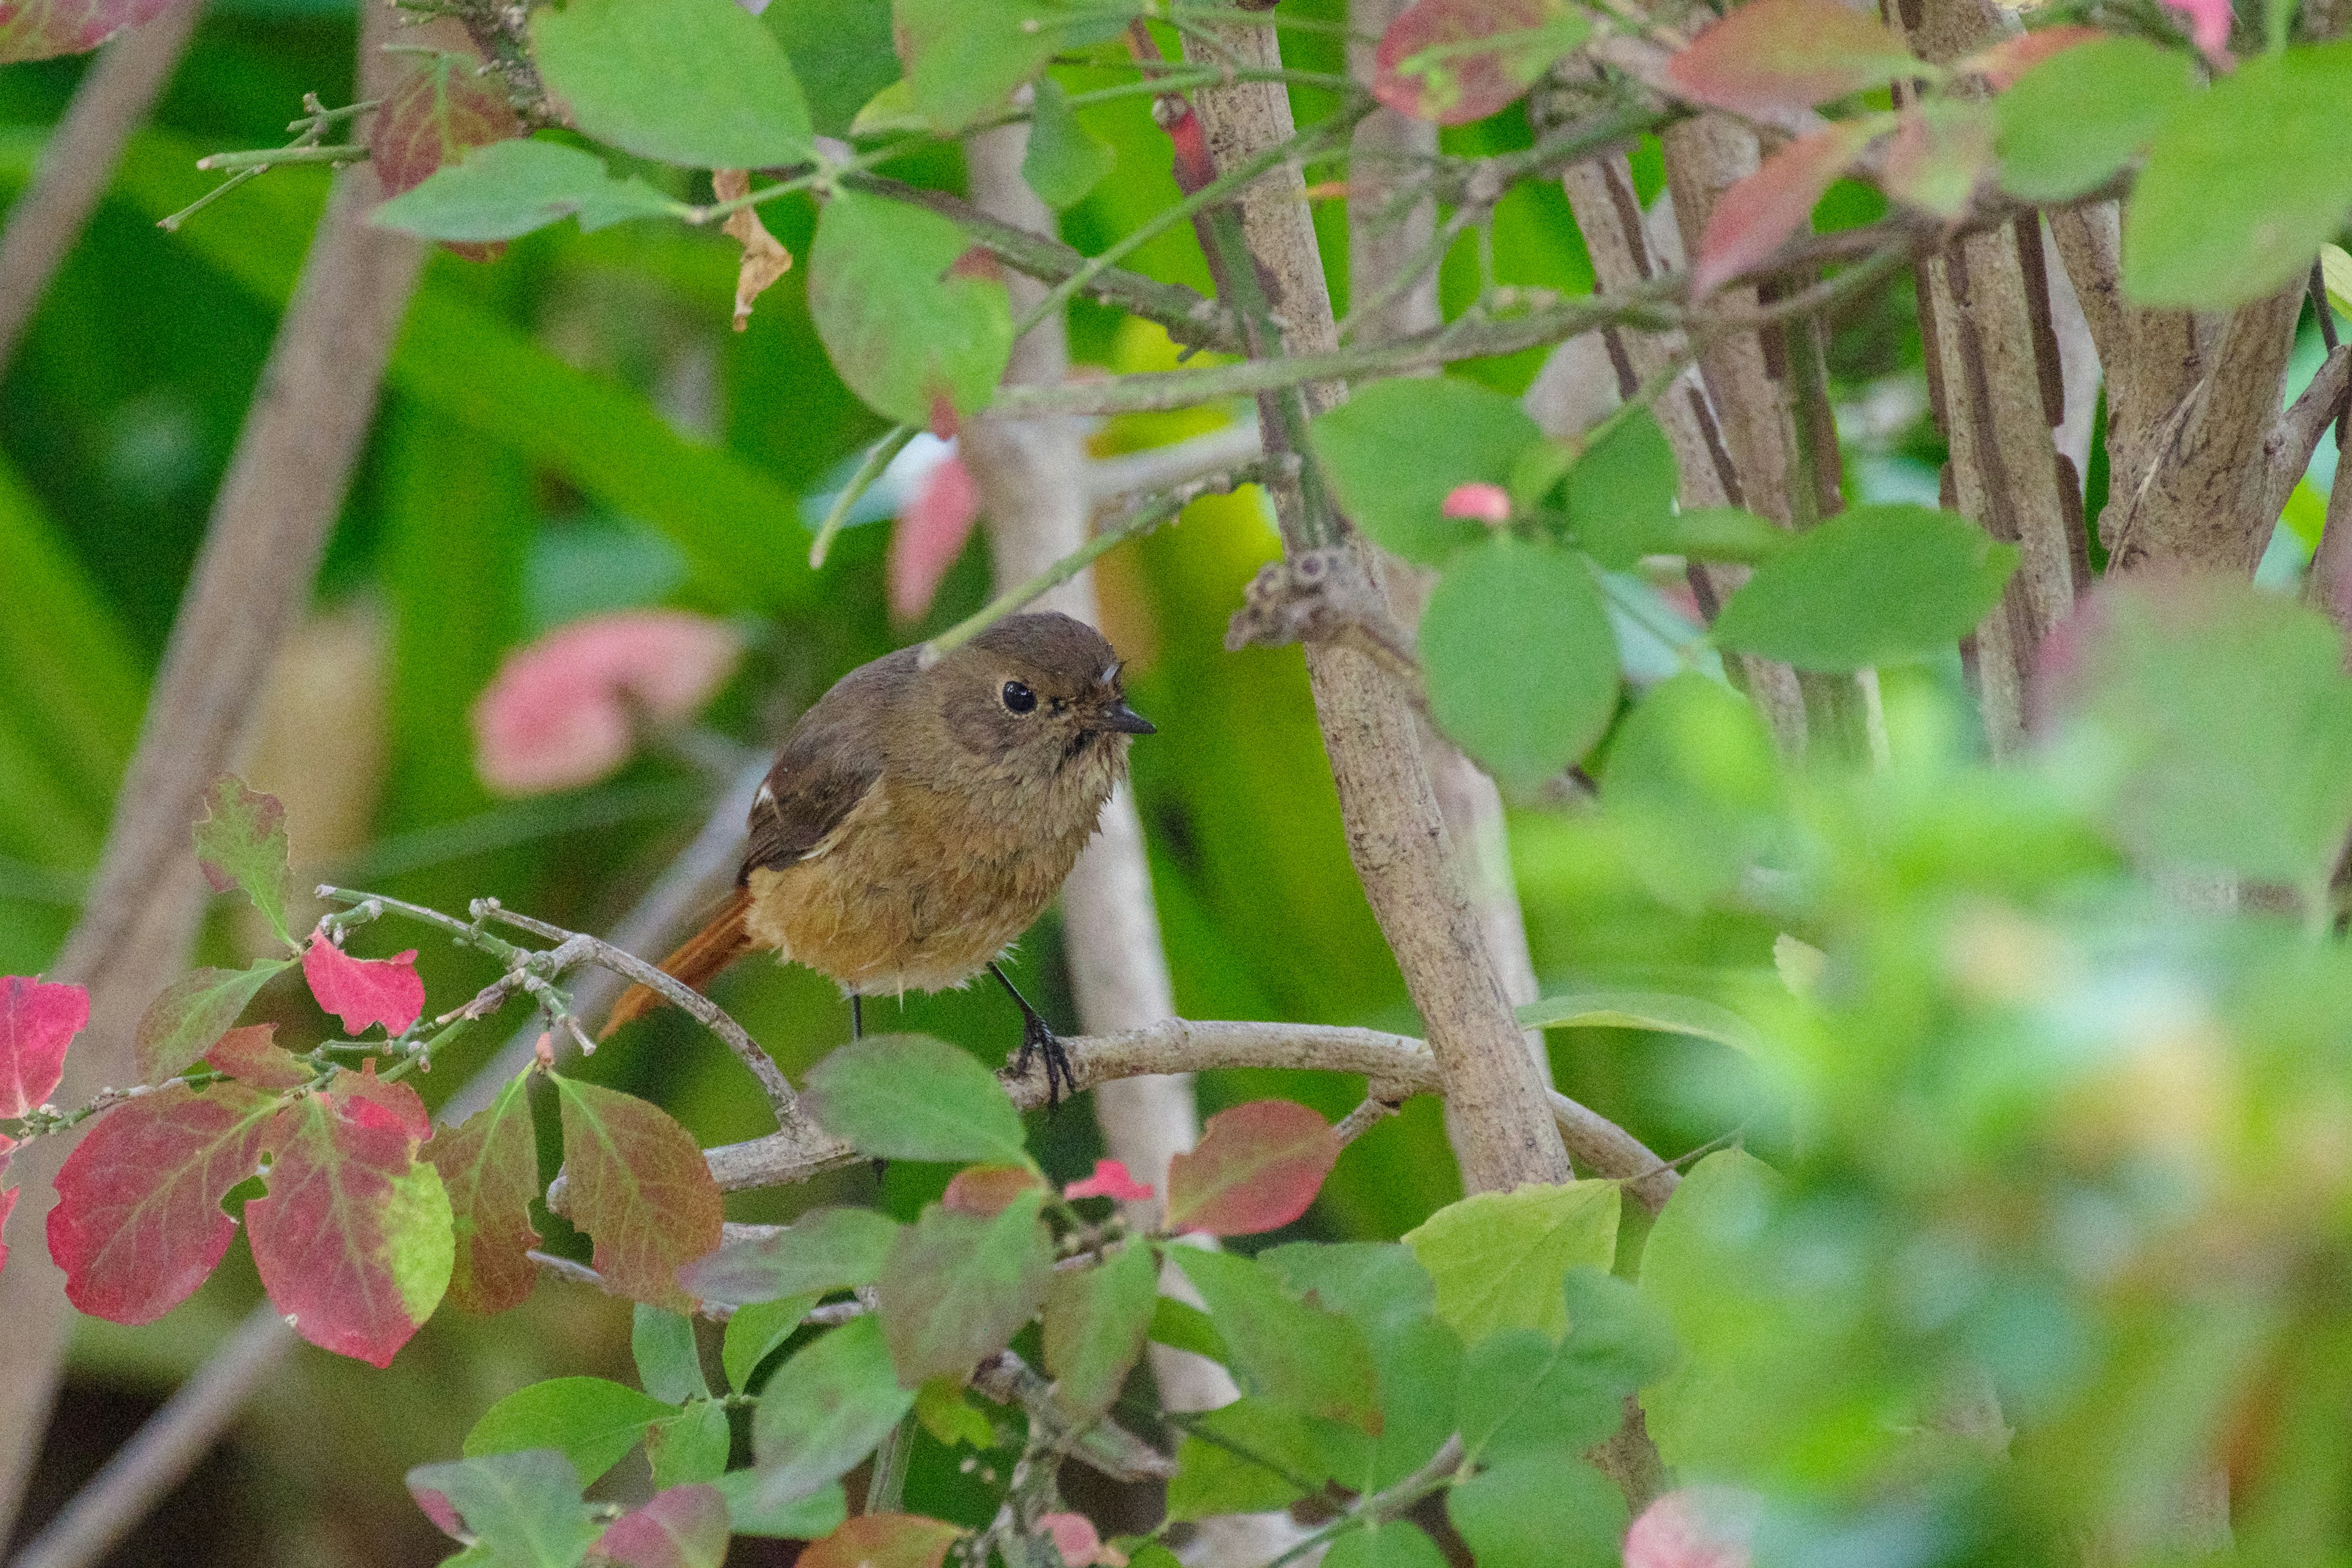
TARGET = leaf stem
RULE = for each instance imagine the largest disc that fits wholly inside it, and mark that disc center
(259, 158)
(878, 458)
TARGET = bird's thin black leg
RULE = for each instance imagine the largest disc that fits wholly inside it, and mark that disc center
(857, 1017)
(1035, 1037)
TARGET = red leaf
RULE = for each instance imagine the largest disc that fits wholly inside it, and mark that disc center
(563, 711)
(490, 1166)
(38, 29)
(1258, 1167)
(407, 1108)
(137, 1224)
(883, 1540)
(684, 1527)
(930, 535)
(251, 1056)
(984, 1190)
(438, 108)
(1753, 217)
(36, 1021)
(1941, 149)
(1453, 61)
(1777, 57)
(1110, 1179)
(1076, 1539)
(353, 1240)
(640, 1187)
(363, 991)
(2011, 57)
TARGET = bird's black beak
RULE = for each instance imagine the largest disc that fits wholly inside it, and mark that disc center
(1119, 718)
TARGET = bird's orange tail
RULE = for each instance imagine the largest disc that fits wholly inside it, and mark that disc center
(723, 939)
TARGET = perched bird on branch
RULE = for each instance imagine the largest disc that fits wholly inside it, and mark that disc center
(919, 818)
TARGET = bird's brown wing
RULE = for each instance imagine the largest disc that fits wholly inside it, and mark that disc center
(829, 762)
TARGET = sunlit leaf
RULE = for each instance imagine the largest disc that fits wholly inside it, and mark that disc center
(1257, 1168)
(639, 1187)
(1755, 217)
(1396, 449)
(1453, 61)
(524, 1509)
(193, 1012)
(509, 188)
(1876, 585)
(1245, 1456)
(1774, 56)
(1498, 1258)
(698, 82)
(2073, 121)
(947, 1415)
(1316, 1363)
(1096, 1321)
(824, 1411)
(910, 335)
(884, 1541)
(1064, 160)
(911, 1097)
(241, 843)
(37, 1020)
(1521, 661)
(252, 1056)
(957, 1287)
(137, 1224)
(489, 1167)
(680, 1527)
(1395, 1544)
(592, 1420)
(353, 1240)
(361, 991)
(1548, 1513)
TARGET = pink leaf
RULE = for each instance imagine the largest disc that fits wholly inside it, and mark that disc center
(1756, 215)
(1480, 501)
(1941, 149)
(883, 1540)
(930, 535)
(37, 1019)
(36, 29)
(2011, 57)
(1695, 1527)
(137, 1224)
(562, 712)
(353, 1240)
(985, 1190)
(2210, 27)
(251, 1056)
(436, 1506)
(1453, 61)
(363, 991)
(1777, 57)
(1110, 1179)
(1258, 1167)
(1076, 1539)
(682, 1527)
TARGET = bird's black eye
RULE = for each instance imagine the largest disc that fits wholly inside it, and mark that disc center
(1018, 698)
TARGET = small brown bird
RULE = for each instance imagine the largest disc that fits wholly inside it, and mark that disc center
(918, 820)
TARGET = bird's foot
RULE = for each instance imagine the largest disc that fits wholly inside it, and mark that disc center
(1036, 1039)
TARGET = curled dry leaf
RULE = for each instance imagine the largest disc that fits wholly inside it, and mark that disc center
(560, 712)
(1759, 214)
(765, 259)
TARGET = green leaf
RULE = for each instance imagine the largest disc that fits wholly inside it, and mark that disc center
(1704, 1264)
(698, 82)
(1396, 449)
(1719, 533)
(824, 1410)
(523, 1509)
(1392, 1545)
(669, 1367)
(911, 1097)
(1640, 1010)
(1181, 1326)
(2068, 124)
(911, 336)
(2202, 230)
(958, 1285)
(1521, 662)
(1418, 1360)
(1380, 1284)
(1245, 1456)
(1317, 1363)
(1064, 160)
(755, 1331)
(193, 1012)
(947, 1415)
(1498, 1258)
(1693, 787)
(593, 1420)
(241, 843)
(1621, 491)
(639, 1187)
(1548, 1512)
(964, 58)
(1096, 1321)
(690, 1448)
(489, 1164)
(1524, 1394)
(509, 188)
(825, 1250)
(1876, 584)
(810, 1518)
(842, 52)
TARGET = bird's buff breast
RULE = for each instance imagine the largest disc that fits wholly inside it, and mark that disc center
(914, 891)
